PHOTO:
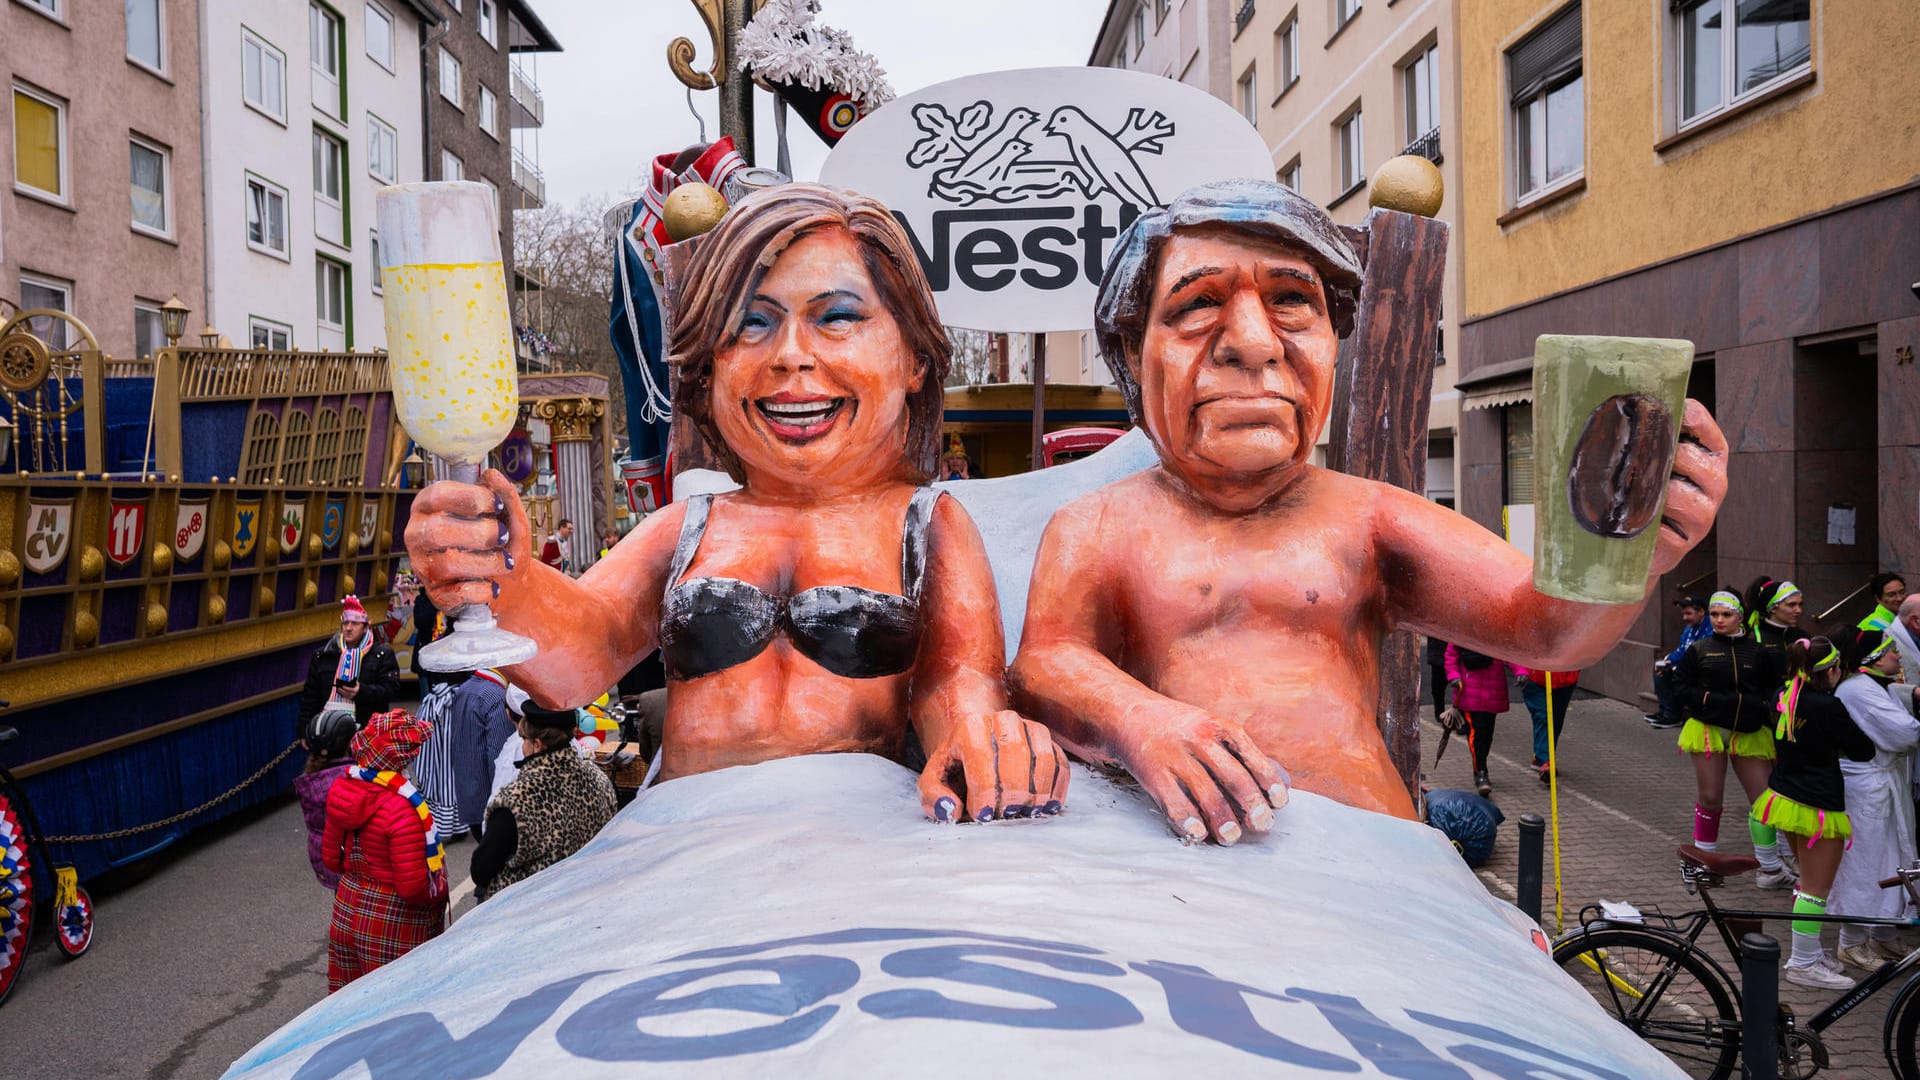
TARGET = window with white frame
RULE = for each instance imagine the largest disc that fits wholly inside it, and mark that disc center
(1548, 98)
(493, 197)
(450, 77)
(1344, 11)
(263, 76)
(489, 112)
(1353, 158)
(39, 143)
(330, 302)
(383, 151)
(379, 35)
(1290, 175)
(490, 22)
(329, 188)
(1286, 51)
(1246, 95)
(1421, 82)
(48, 293)
(1733, 49)
(1161, 8)
(151, 183)
(50, 7)
(146, 40)
(454, 4)
(373, 248)
(1139, 27)
(451, 167)
(266, 217)
(267, 334)
(325, 36)
(149, 328)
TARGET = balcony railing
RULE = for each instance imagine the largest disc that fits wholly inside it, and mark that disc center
(1242, 17)
(526, 177)
(1426, 146)
(529, 108)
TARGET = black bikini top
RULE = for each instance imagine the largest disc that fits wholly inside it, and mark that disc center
(710, 624)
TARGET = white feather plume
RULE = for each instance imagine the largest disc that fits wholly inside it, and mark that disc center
(782, 44)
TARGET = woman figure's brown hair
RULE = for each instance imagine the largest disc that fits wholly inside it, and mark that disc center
(727, 268)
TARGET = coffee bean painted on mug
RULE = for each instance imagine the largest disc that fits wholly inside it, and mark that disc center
(1620, 465)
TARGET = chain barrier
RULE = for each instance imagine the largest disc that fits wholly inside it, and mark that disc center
(117, 834)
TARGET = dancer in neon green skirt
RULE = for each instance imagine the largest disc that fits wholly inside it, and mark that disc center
(1726, 684)
(1806, 796)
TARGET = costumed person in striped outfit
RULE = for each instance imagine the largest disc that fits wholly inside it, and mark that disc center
(557, 803)
(433, 771)
(1806, 796)
(1879, 800)
(1726, 684)
(1889, 591)
(478, 726)
(380, 839)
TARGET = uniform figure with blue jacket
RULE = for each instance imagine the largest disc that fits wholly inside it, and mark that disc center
(1693, 619)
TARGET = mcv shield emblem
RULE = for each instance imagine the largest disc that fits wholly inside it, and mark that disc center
(369, 520)
(49, 527)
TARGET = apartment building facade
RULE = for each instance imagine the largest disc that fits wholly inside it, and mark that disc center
(311, 108)
(1739, 175)
(1336, 88)
(102, 218)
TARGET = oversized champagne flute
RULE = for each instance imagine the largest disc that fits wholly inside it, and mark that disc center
(450, 361)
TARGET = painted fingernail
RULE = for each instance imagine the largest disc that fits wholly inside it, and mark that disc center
(1053, 807)
(1261, 819)
(496, 590)
(943, 810)
(1194, 828)
(1228, 833)
(1020, 811)
(499, 505)
(509, 562)
(503, 535)
(985, 814)
(1278, 795)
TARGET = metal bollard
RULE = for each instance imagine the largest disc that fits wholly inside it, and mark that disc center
(1533, 832)
(1759, 1005)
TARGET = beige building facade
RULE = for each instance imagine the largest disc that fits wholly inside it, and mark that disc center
(1337, 87)
(101, 214)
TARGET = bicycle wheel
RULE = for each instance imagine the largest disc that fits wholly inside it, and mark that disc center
(1664, 992)
(73, 924)
(16, 898)
(1902, 1035)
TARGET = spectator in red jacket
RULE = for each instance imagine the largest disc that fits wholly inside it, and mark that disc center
(1533, 692)
(1479, 685)
(554, 551)
(381, 841)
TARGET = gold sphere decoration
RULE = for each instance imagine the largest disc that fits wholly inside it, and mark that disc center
(692, 209)
(9, 568)
(216, 609)
(92, 564)
(269, 549)
(313, 545)
(86, 628)
(162, 558)
(309, 593)
(156, 620)
(376, 587)
(263, 603)
(386, 540)
(352, 543)
(1410, 184)
(6, 641)
(221, 555)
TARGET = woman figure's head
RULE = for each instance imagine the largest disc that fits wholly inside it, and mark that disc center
(1871, 651)
(1724, 613)
(1776, 601)
(546, 729)
(1815, 660)
(808, 348)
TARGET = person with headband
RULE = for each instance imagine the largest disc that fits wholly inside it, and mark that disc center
(1725, 685)
(1806, 796)
(1773, 615)
(1879, 803)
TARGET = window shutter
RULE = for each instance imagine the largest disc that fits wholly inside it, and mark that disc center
(1547, 55)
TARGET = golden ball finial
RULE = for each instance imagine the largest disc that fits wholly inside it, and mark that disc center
(692, 209)
(1410, 184)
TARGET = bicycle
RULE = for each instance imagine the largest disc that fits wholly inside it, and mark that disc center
(23, 847)
(1652, 974)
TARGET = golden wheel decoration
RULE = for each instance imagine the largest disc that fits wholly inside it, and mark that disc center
(24, 361)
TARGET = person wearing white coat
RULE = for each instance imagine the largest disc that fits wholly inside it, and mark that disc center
(1878, 800)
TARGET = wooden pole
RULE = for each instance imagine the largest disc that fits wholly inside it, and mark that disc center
(1039, 398)
(736, 90)
(1382, 392)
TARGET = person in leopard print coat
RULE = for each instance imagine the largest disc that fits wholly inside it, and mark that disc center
(557, 803)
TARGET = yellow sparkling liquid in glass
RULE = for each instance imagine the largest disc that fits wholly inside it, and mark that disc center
(450, 356)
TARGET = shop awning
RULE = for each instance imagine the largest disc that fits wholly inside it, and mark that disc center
(1510, 390)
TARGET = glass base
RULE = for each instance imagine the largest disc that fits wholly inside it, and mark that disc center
(477, 642)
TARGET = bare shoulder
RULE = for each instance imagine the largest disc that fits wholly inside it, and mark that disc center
(1111, 506)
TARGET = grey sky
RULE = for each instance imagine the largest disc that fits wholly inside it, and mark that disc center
(612, 104)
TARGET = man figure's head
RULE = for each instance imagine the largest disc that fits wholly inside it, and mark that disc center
(1909, 615)
(353, 622)
(1220, 318)
(1889, 590)
(565, 530)
(1692, 610)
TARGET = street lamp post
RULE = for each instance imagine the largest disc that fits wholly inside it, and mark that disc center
(173, 320)
(209, 337)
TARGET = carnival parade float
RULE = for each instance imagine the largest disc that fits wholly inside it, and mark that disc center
(1110, 768)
